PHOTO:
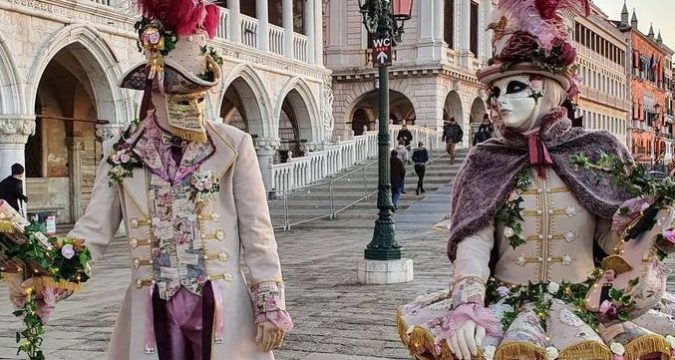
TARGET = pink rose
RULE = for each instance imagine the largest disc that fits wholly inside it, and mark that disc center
(68, 251)
(670, 235)
(567, 54)
(125, 158)
(520, 44)
(606, 306)
(208, 184)
(199, 185)
(116, 159)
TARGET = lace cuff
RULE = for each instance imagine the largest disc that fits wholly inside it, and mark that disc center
(280, 318)
(468, 290)
(459, 316)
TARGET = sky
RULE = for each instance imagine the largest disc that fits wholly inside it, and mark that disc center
(658, 12)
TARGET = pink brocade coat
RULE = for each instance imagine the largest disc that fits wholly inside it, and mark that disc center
(234, 225)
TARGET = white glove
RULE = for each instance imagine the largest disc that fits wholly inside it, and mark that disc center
(467, 339)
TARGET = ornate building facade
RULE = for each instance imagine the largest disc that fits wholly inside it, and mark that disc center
(604, 99)
(650, 79)
(433, 76)
(60, 62)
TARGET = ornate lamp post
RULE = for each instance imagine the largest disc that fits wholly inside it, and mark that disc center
(384, 21)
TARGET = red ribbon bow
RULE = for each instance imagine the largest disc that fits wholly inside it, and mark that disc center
(539, 155)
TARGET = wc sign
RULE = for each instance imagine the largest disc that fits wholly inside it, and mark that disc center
(381, 51)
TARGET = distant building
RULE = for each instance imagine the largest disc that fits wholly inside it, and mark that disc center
(650, 77)
(434, 74)
(604, 99)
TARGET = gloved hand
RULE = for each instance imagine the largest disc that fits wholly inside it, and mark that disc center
(269, 336)
(466, 340)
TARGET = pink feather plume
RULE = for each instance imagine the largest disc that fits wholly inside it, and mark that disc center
(184, 17)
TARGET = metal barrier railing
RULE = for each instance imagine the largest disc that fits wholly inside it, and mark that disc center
(305, 214)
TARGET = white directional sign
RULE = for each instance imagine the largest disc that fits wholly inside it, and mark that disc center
(381, 51)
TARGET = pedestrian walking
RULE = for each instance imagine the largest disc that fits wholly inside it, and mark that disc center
(11, 189)
(420, 157)
(397, 173)
(402, 153)
(452, 134)
(485, 131)
(404, 135)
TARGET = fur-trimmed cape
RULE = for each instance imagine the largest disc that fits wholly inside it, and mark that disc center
(486, 178)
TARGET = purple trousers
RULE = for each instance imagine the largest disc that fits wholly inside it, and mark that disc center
(179, 324)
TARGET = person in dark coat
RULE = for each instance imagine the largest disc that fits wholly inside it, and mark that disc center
(420, 157)
(11, 188)
(405, 135)
(485, 131)
(452, 134)
(397, 173)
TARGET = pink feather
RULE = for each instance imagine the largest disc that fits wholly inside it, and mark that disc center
(212, 19)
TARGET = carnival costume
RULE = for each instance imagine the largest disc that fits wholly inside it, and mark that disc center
(193, 204)
(528, 225)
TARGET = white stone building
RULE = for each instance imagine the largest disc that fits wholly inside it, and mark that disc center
(60, 61)
(434, 73)
(604, 98)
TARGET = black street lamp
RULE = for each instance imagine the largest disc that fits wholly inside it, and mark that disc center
(384, 21)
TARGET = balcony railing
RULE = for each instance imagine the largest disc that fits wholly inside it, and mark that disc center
(249, 31)
(300, 47)
(276, 38)
(224, 25)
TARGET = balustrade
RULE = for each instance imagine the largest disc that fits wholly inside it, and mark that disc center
(335, 158)
(224, 25)
(276, 39)
(249, 31)
(300, 47)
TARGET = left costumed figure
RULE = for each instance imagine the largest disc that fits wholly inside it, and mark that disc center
(191, 197)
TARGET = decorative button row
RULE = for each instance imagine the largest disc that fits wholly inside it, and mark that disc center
(224, 276)
(141, 262)
(144, 282)
(218, 235)
(522, 260)
(136, 223)
(223, 256)
(208, 217)
(139, 242)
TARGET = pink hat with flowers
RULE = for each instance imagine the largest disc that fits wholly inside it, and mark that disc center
(173, 36)
(530, 37)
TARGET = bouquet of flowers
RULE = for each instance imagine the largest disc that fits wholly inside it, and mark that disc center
(58, 267)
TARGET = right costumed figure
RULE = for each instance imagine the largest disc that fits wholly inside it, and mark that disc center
(531, 229)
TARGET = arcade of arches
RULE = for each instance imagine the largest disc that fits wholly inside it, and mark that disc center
(366, 110)
(240, 108)
(62, 155)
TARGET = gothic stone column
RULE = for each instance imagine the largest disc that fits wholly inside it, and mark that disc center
(266, 149)
(14, 132)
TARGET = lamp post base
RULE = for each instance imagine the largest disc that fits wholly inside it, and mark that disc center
(382, 272)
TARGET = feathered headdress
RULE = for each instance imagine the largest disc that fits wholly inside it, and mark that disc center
(533, 34)
(182, 17)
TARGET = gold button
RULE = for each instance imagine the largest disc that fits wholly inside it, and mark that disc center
(540, 258)
(550, 212)
(539, 212)
(550, 237)
(541, 237)
(220, 235)
(134, 243)
(134, 223)
(549, 259)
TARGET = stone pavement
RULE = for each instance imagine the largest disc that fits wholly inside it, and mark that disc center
(335, 318)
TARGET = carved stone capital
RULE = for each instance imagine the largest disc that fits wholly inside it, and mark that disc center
(266, 147)
(109, 131)
(16, 129)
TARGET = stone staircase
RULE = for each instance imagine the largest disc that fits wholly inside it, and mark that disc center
(311, 205)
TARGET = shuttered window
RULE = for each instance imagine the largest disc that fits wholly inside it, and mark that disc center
(473, 39)
(449, 23)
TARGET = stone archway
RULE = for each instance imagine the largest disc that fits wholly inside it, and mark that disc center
(401, 109)
(453, 108)
(240, 108)
(360, 122)
(295, 130)
(478, 110)
(61, 156)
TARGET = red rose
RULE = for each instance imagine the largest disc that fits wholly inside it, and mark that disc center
(519, 45)
(567, 54)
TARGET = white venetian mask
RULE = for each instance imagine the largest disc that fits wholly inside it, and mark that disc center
(515, 102)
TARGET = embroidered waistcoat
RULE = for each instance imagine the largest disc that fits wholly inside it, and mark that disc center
(177, 253)
(559, 235)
